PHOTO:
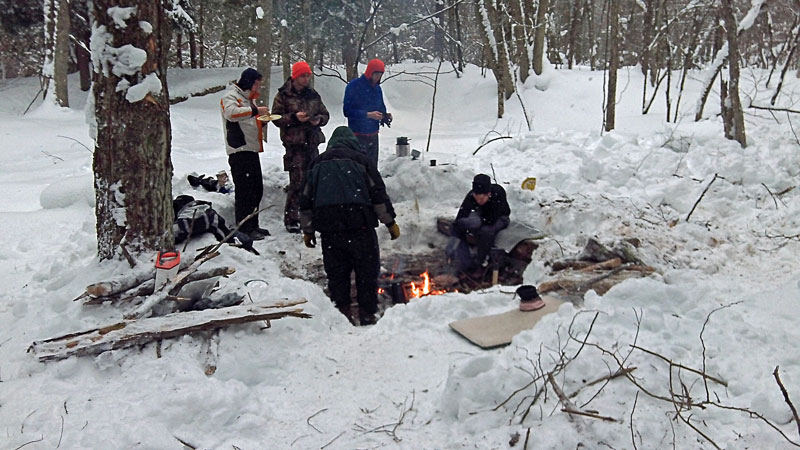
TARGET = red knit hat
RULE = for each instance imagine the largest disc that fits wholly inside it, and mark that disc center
(299, 68)
(374, 65)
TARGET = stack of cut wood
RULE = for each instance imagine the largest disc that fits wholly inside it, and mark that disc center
(597, 267)
(138, 293)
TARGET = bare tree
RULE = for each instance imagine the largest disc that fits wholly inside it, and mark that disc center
(132, 166)
(734, 121)
(538, 40)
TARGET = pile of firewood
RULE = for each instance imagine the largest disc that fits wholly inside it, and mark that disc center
(597, 267)
(138, 293)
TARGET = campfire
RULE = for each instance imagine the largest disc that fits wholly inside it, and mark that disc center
(424, 288)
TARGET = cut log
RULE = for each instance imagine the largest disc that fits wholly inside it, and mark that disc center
(146, 288)
(171, 288)
(139, 332)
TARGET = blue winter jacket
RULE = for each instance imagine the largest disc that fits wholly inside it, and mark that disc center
(360, 97)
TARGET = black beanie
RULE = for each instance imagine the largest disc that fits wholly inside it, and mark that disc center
(249, 76)
(481, 184)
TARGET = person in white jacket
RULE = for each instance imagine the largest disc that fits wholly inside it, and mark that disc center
(243, 143)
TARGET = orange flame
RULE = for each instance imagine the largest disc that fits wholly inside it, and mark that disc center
(424, 288)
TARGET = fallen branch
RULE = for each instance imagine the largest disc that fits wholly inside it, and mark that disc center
(701, 196)
(609, 264)
(139, 332)
(786, 398)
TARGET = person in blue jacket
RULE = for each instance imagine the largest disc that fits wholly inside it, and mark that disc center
(365, 110)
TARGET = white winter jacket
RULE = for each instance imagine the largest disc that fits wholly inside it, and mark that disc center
(241, 129)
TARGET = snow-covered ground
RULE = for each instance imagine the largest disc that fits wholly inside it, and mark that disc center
(723, 299)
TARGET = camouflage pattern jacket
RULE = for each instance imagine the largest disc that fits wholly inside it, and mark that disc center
(288, 102)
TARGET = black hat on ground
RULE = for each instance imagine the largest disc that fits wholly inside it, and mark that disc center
(527, 293)
(481, 184)
(248, 78)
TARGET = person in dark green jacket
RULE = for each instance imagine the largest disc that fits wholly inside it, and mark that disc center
(343, 199)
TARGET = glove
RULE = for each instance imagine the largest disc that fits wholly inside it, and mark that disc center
(310, 240)
(394, 230)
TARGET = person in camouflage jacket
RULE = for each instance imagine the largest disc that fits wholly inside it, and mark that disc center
(302, 115)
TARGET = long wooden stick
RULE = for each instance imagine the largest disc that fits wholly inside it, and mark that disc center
(701, 196)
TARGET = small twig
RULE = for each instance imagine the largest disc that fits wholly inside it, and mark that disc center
(765, 108)
(773, 196)
(786, 398)
(127, 255)
(331, 442)
(619, 373)
(633, 410)
(186, 444)
(26, 111)
(785, 191)
(53, 156)
(527, 436)
(61, 435)
(30, 442)
(681, 366)
(701, 196)
(489, 142)
(79, 142)
(308, 421)
(588, 414)
(703, 343)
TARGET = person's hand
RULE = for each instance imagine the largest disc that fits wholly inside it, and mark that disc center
(310, 240)
(394, 230)
(302, 116)
(375, 115)
(263, 110)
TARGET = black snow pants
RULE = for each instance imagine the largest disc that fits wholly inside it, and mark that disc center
(249, 187)
(345, 252)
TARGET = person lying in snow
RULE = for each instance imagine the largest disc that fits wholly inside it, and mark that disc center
(483, 213)
(195, 217)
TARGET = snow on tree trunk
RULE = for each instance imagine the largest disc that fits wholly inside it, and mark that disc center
(132, 166)
(613, 65)
(56, 60)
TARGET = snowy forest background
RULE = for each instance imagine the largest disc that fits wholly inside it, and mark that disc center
(674, 124)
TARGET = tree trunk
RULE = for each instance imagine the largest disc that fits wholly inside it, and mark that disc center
(263, 47)
(192, 51)
(308, 41)
(520, 37)
(733, 69)
(286, 62)
(438, 31)
(538, 39)
(179, 48)
(57, 29)
(349, 45)
(459, 45)
(132, 167)
(647, 37)
(613, 64)
(573, 43)
(201, 33)
(263, 56)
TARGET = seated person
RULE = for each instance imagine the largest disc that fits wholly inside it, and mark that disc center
(483, 213)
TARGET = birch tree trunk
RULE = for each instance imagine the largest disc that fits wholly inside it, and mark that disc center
(132, 167)
(613, 64)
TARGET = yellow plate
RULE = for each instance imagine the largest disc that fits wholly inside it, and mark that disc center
(529, 183)
(269, 117)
